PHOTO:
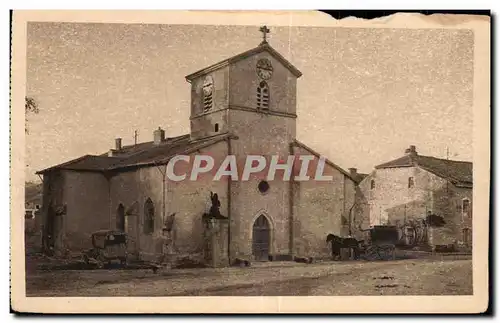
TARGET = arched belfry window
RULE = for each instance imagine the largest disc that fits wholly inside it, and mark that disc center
(263, 96)
(208, 89)
(149, 217)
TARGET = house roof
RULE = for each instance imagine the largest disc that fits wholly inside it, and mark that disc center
(143, 154)
(360, 177)
(457, 172)
(262, 47)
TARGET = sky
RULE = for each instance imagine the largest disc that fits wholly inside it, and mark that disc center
(365, 94)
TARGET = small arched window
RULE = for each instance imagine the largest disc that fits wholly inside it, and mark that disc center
(149, 217)
(120, 218)
(263, 96)
(216, 127)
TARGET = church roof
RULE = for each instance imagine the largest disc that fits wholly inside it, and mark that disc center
(143, 154)
(83, 163)
(262, 47)
(457, 172)
(327, 161)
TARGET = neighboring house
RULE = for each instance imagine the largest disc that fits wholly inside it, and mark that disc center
(404, 191)
(244, 105)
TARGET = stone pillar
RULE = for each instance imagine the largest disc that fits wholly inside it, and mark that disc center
(216, 242)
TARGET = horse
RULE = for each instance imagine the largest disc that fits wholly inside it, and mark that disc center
(339, 243)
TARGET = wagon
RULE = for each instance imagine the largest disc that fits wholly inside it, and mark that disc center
(107, 246)
(381, 243)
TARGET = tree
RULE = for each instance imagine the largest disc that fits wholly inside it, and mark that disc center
(30, 106)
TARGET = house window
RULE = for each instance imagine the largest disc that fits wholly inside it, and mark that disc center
(263, 96)
(372, 184)
(216, 127)
(467, 236)
(466, 207)
(411, 182)
(149, 217)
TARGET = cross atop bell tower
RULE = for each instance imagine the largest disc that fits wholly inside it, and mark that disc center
(264, 30)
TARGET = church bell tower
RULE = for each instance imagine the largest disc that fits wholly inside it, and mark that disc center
(252, 92)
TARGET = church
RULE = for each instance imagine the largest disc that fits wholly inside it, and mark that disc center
(243, 105)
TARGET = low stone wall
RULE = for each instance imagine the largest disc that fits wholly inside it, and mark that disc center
(410, 254)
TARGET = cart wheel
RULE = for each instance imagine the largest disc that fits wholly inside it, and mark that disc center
(100, 262)
(372, 253)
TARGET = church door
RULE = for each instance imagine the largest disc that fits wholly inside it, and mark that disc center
(120, 218)
(261, 238)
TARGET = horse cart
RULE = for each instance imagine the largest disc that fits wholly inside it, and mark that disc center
(107, 246)
(380, 243)
(110, 246)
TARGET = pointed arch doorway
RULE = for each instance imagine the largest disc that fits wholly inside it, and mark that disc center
(261, 238)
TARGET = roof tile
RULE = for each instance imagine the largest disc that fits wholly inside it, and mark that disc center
(142, 154)
(458, 172)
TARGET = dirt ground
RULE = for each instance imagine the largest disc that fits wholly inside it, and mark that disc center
(400, 277)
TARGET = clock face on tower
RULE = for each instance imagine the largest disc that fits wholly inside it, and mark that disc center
(208, 85)
(264, 69)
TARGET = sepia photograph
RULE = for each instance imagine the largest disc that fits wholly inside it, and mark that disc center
(186, 155)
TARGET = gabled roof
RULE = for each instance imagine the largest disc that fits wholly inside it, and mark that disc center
(140, 155)
(457, 172)
(262, 47)
(327, 161)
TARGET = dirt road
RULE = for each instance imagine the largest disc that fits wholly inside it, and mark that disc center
(402, 277)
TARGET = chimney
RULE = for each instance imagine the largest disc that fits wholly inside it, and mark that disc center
(118, 143)
(411, 151)
(353, 171)
(159, 136)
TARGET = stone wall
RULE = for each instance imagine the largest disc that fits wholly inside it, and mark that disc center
(86, 195)
(318, 207)
(86, 198)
